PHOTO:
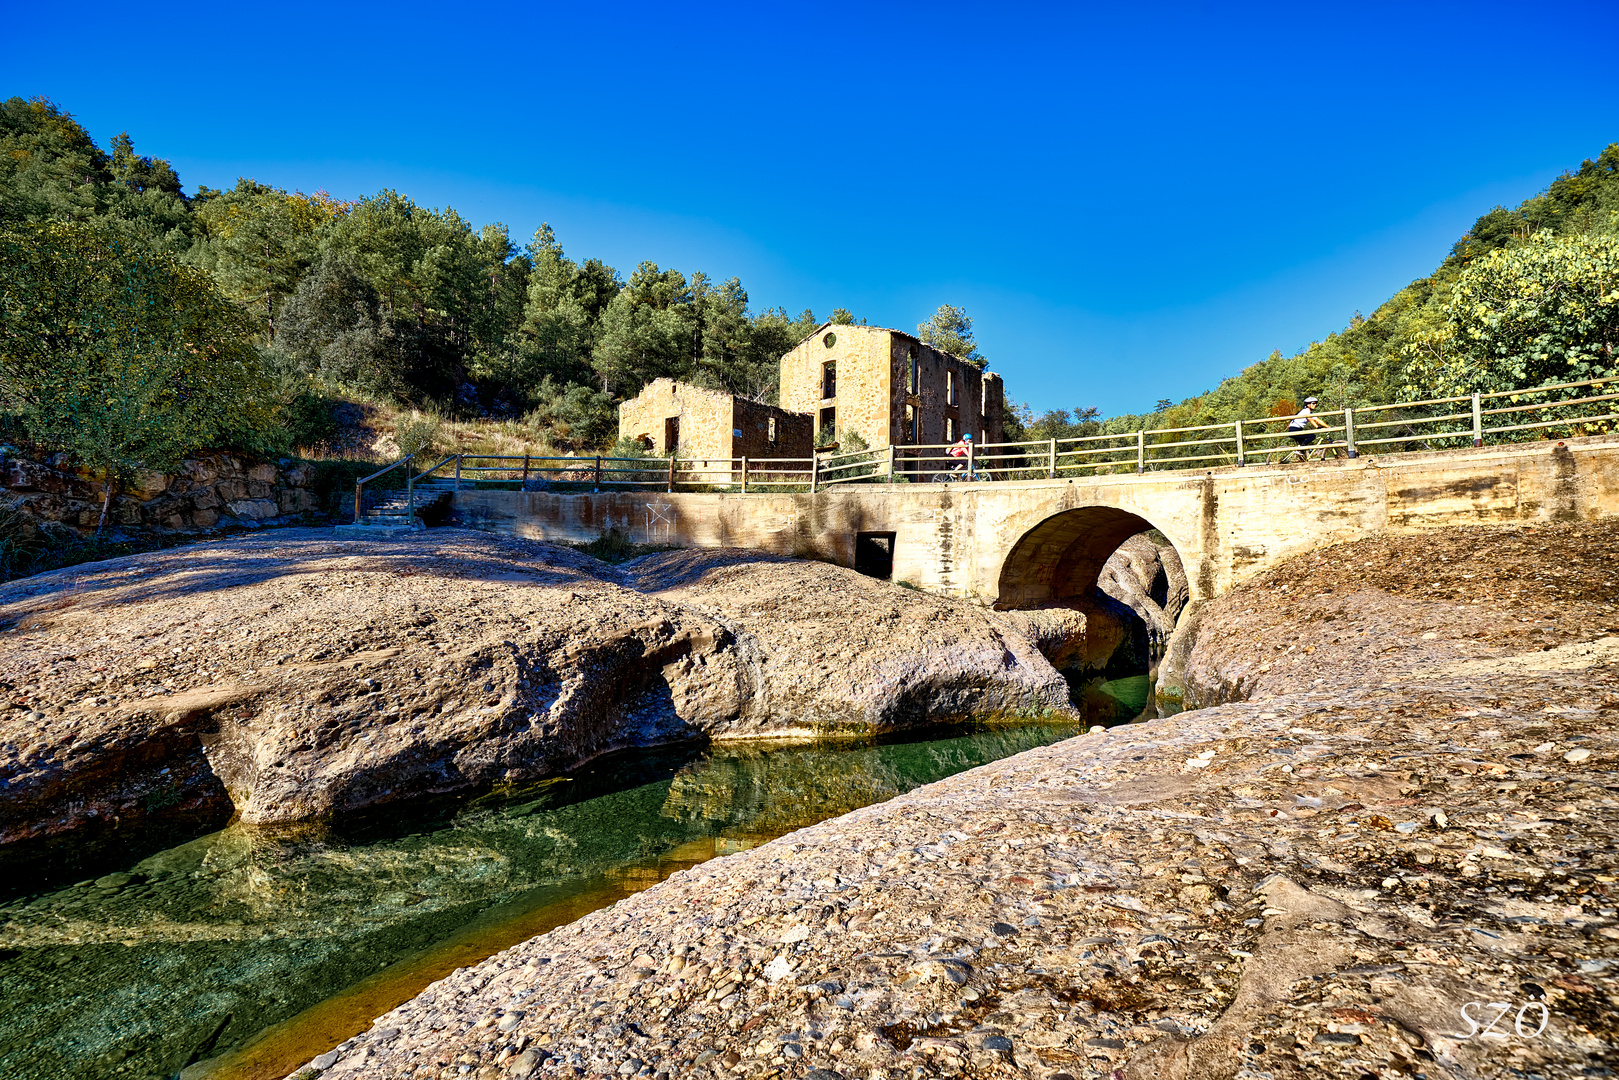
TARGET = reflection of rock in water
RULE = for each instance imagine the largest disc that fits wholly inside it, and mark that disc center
(129, 975)
(774, 791)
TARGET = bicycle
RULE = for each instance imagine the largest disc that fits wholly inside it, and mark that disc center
(1285, 455)
(960, 475)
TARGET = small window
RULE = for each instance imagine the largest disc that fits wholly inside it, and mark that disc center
(770, 431)
(830, 340)
(671, 434)
(828, 433)
(950, 388)
(829, 379)
(949, 429)
(915, 372)
(910, 423)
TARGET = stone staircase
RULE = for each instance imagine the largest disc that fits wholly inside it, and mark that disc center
(390, 515)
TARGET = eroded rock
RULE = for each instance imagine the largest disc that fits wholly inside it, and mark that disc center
(1328, 881)
(295, 676)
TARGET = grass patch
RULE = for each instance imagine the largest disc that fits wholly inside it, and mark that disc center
(615, 546)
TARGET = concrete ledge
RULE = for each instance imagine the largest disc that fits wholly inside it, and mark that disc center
(376, 532)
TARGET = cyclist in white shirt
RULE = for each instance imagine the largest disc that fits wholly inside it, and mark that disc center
(1298, 428)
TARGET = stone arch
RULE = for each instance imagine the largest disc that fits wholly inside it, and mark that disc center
(1061, 557)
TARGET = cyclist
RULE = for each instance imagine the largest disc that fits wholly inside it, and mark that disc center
(961, 449)
(1298, 428)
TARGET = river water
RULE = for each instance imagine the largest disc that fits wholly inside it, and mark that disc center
(245, 952)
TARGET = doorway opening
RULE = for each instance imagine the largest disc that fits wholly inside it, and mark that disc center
(874, 554)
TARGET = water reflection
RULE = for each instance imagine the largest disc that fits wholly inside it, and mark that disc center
(192, 951)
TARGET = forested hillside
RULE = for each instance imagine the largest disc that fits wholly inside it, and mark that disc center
(381, 297)
(1527, 297)
(235, 317)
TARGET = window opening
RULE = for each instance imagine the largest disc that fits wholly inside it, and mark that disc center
(949, 429)
(910, 423)
(829, 427)
(829, 379)
(770, 431)
(950, 388)
(830, 340)
(671, 434)
(915, 372)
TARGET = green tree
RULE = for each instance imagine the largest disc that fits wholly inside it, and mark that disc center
(122, 356)
(258, 242)
(647, 331)
(951, 330)
(333, 328)
(1542, 313)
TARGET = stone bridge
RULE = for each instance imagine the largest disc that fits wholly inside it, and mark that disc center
(1024, 543)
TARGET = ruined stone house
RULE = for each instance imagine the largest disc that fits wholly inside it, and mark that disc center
(887, 386)
(668, 415)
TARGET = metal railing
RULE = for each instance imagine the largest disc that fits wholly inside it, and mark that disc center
(1434, 424)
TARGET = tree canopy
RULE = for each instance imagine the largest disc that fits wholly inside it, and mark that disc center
(121, 355)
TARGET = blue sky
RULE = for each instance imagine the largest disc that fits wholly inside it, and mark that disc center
(1131, 201)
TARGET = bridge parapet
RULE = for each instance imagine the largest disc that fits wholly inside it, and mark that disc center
(1022, 543)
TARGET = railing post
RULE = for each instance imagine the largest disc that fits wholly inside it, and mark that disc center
(1478, 422)
(972, 471)
(410, 486)
(891, 456)
(1051, 461)
(356, 502)
(1141, 452)
(597, 484)
(458, 472)
(671, 486)
(815, 469)
(1349, 433)
(525, 468)
(744, 474)
(1241, 457)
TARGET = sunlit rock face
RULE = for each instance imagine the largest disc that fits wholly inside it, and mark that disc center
(292, 677)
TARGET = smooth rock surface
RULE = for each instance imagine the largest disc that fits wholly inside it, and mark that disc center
(294, 675)
(1319, 882)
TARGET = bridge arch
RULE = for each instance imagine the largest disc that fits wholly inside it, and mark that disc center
(1061, 556)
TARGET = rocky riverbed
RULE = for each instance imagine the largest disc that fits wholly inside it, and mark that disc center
(292, 676)
(1389, 852)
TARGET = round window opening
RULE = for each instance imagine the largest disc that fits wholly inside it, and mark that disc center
(830, 340)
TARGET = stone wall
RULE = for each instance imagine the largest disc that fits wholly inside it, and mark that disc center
(1026, 543)
(703, 416)
(206, 493)
(795, 434)
(711, 424)
(884, 379)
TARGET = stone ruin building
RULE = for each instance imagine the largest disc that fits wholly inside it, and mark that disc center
(887, 386)
(711, 424)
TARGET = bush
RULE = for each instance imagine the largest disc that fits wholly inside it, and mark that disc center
(615, 546)
(418, 434)
(308, 420)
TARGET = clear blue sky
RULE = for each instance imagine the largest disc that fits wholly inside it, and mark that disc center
(1132, 201)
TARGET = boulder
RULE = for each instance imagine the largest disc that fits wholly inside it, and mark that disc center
(300, 676)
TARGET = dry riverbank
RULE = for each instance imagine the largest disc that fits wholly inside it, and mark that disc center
(1321, 879)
